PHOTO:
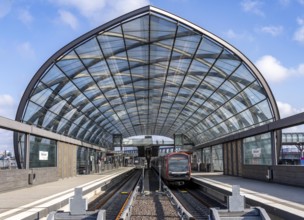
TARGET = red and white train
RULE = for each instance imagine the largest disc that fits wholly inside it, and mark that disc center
(175, 167)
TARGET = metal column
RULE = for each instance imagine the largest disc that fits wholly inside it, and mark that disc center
(26, 151)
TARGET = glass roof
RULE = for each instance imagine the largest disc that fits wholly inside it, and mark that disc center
(147, 73)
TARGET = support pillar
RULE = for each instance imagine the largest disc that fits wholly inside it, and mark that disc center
(273, 149)
(178, 141)
(26, 151)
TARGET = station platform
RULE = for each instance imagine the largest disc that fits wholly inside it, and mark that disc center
(281, 200)
(37, 201)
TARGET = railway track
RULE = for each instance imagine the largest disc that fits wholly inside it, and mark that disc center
(195, 201)
(194, 206)
(148, 203)
(114, 198)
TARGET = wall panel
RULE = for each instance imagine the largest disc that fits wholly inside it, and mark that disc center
(67, 159)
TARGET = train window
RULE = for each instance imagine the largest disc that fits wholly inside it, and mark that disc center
(178, 163)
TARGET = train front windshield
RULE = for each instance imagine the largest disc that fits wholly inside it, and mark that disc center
(178, 163)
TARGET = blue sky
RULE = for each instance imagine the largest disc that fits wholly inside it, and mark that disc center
(269, 32)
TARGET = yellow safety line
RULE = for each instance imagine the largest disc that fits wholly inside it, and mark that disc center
(123, 207)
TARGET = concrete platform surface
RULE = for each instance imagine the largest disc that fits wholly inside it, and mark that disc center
(26, 203)
(280, 197)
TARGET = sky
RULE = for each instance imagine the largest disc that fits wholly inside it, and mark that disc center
(269, 32)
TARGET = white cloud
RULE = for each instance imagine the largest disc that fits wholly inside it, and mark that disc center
(272, 69)
(299, 128)
(25, 50)
(25, 16)
(5, 7)
(68, 18)
(231, 34)
(300, 21)
(128, 5)
(6, 140)
(99, 11)
(299, 33)
(6, 100)
(252, 6)
(239, 36)
(7, 106)
(86, 8)
(301, 2)
(273, 30)
(287, 110)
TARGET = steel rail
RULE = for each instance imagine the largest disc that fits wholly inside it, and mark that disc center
(181, 211)
(126, 214)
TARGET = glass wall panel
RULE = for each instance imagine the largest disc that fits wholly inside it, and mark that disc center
(217, 158)
(206, 157)
(82, 160)
(257, 150)
(43, 152)
(21, 149)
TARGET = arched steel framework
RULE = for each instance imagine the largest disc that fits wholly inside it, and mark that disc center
(147, 73)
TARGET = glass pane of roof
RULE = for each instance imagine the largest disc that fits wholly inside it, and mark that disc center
(160, 53)
(79, 98)
(154, 70)
(214, 80)
(68, 88)
(48, 117)
(118, 63)
(111, 43)
(32, 113)
(137, 29)
(139, 54)
(217, 98)
(41, 97)
(180, 66)
(242, 76)
(92, 92)
(161, 28)
(89, 52)
(255, 92)
(263, 111)
(100, 70)
(83, 79)
(239, 103)
(70, 64)
(53, 76)
(57, 107)
(227, 62)
(198, 70)
(228, 89)
(186, 42)
(208, 48)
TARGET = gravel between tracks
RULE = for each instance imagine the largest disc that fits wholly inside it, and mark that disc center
(153, 206)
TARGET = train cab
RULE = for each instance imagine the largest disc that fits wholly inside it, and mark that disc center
(175, 167)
